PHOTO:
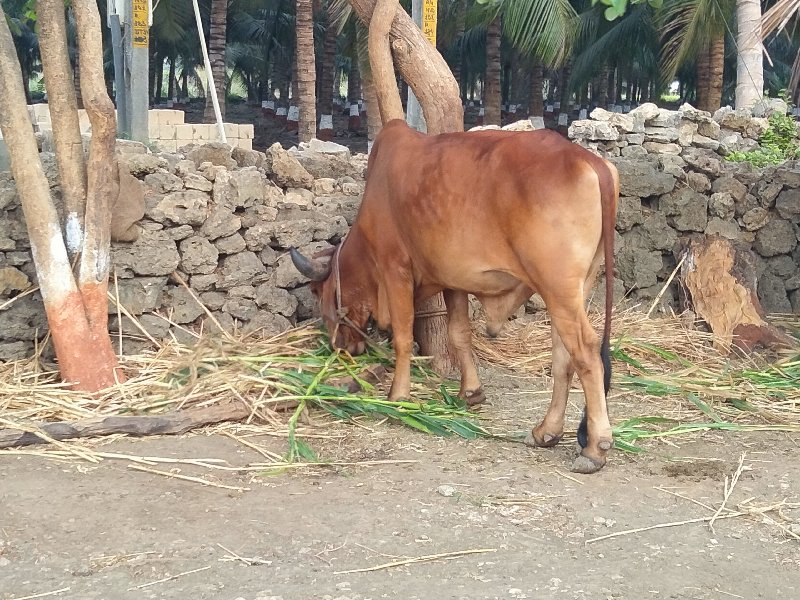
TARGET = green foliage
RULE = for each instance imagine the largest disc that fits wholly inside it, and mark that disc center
(616, 8)
(777, 144)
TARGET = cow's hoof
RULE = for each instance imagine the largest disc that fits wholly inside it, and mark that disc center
(584, 464)
(545, 440)
(475, 397)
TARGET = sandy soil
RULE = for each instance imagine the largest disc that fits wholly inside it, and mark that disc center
(107, 531)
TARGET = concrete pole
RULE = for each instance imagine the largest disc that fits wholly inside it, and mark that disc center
(414, 116)
(137, 92)
(123, 122)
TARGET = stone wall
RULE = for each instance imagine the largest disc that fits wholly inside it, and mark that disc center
(221, 221)
(675, 182)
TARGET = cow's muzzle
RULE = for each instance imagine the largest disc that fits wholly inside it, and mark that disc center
(315, 270)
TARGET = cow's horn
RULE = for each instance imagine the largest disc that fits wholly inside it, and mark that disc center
(315, 270)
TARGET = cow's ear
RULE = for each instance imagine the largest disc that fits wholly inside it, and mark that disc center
(325, 252)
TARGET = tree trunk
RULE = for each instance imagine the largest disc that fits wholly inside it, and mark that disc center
(564, 92)
(710, 64)
(326, 82)
(491, 85)
(749, 63)
(353, 96)
(536, 106)
(720, 278)
(306, 71)
(77, 318)
(437, 91)
(70, 157)
(159, 77)
(171, 84)
(373, 112)
(76, 75)
(217, 36)
(456, 67)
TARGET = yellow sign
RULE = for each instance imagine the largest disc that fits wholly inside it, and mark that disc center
(429, 12)
(141, 28)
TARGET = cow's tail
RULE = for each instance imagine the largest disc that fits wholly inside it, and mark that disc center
(609, 191)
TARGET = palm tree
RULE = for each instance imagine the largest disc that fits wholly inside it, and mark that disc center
(750, 63)
(217, 37)
(306, 70)
(491, 84)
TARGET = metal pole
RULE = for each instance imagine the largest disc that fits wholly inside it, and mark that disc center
(210, 88)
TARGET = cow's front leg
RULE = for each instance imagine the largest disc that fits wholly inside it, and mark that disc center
(459, 332)
(401, 312)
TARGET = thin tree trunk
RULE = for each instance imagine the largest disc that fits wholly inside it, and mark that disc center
(536, 106)
(217, 36)
(749, 63)
(159, 75)
(306, 71)
(171, 84)
(703, 78)
(373, 111)
(563, 86)
(353, 96)
(491, 86)
(326, 82)
(79, 331)
(437, 91)
(716, 66)
(456, 67)
(54, 49)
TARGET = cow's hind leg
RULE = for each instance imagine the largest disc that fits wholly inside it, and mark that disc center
(459, 332)
(551, 429)
(583, 345)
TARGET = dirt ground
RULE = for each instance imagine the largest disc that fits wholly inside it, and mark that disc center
(73, 529)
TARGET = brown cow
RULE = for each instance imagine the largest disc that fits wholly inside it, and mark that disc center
(496, 214)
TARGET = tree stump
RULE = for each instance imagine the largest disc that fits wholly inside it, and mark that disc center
(720, 279)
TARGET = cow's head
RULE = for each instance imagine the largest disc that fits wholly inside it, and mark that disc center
(345, 311)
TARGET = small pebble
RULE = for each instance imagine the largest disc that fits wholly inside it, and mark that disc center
(446, 490)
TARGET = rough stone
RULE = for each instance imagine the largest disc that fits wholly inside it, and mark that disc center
(243, 309)
(699, 182)
(13, 280)
(328, 166)
(593, 130)
(788, 205)
(686, 209)
(286, 275)
(201, 283)
(221, 222)
(783, 266)
(188, 207)
(767, 192)
(776, 237)
(181, 232)
(198, 256)
(641, 178)
(638, 267)
(154, 253)
(185, 309)
(629, 213)
(702, 160)
(772, 294)
(275, 299)
(213, 300)
(725, 228)
(243, 189)
(163, 182)
(193, 181)
(140, 165)
(657, 232)
(287, 170)
(298, 198)
(215, 153)
(661, 148)
(661, 134)
(755, 218)
(324, 186)
(267, 324)
(239, 269)
(731, 186)
(722, 205)
(250, 158)
(231, 244)
(138, 295)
